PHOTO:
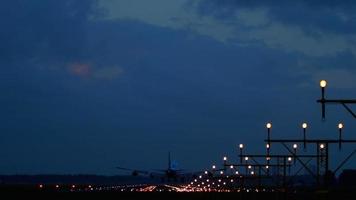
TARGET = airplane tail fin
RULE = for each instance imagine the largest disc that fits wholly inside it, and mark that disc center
(169, 160)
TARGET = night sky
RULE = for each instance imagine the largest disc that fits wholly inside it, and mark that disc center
(90, 85)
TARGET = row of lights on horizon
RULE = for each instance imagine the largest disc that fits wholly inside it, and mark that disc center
(57, 186)
(248, 167)
(295, 146)
(304, 125)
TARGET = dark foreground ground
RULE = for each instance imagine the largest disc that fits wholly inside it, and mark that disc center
(27, 192)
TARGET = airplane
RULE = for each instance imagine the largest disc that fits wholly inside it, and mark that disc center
(171, 173)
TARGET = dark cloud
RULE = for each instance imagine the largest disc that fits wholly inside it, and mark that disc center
(199, 90)
(312, 16)
(44, 30)
(176, 88)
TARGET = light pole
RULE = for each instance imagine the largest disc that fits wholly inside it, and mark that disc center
(241, 146)
(268, 126)
(295, 146)
(324, 101)
(289, 161)
(213, 168)
(305, 126)
(340, 126)
(268, 159)
(323, 84)
(246, 160)
(322, 146)
(225, 160)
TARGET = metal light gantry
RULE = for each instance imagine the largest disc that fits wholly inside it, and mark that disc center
(283, 161)
(286, 164)
(253, 171)
(322, 155)
(262, 173)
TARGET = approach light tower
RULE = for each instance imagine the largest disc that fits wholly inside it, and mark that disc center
(325, 101)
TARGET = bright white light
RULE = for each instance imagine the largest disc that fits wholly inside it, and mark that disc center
(269, 125)
(341, 125)
(241, 146)
(323, 83)
(295, 146)
(305, 125)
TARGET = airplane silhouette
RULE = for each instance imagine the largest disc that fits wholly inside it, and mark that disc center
(172, 173)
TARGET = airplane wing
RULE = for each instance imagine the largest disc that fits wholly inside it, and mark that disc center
(134, 170)
(159, 170)
(165, 170)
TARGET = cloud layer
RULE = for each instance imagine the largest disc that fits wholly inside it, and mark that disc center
(97, 83)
